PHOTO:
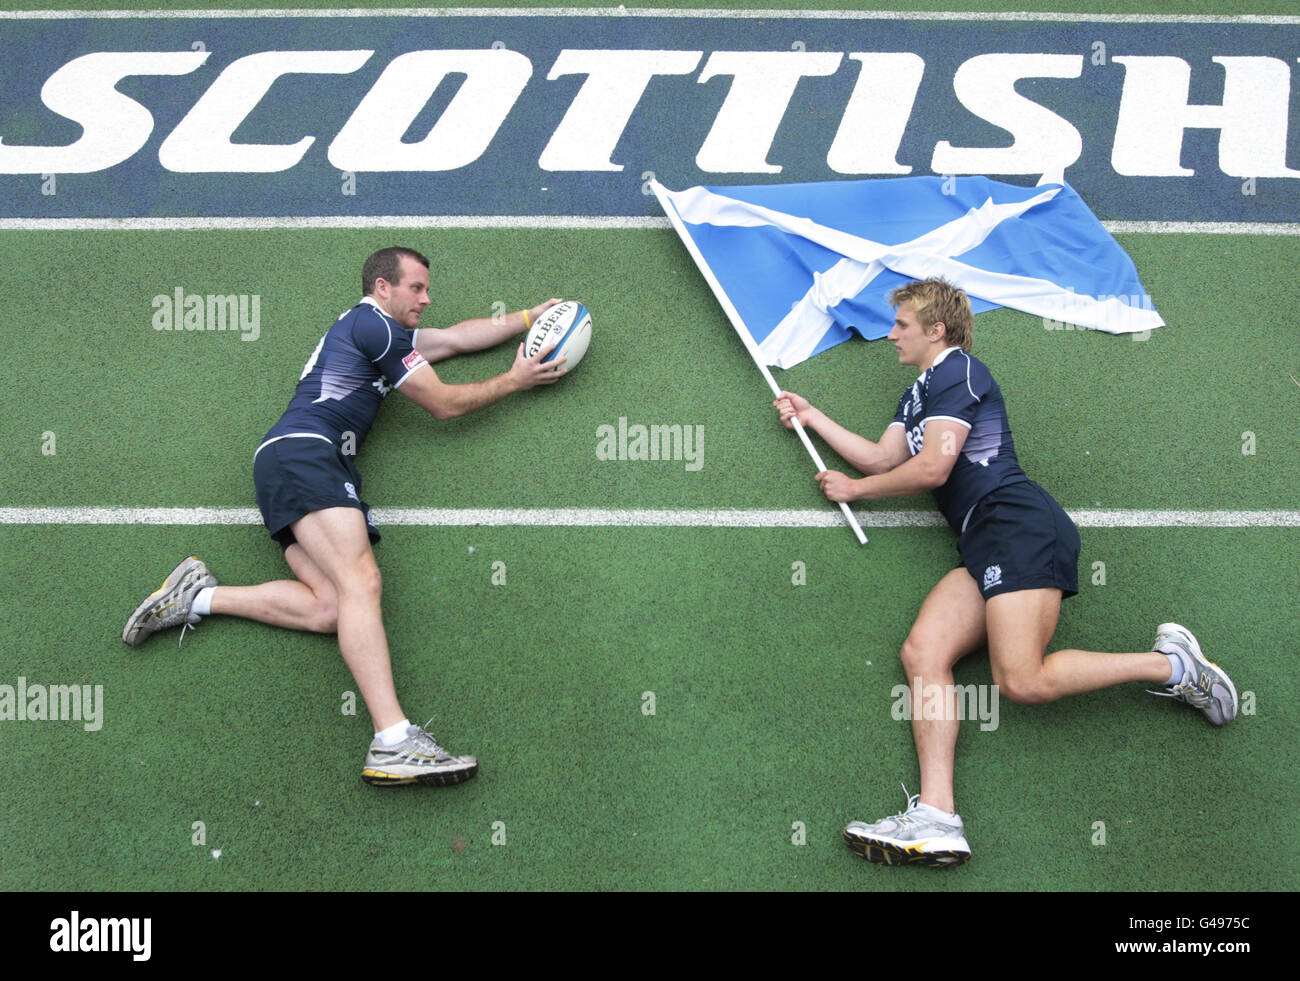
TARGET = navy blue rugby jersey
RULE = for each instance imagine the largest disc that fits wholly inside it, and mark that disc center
(363, 357)
(959, 388)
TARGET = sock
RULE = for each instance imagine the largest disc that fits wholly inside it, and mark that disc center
(202, 604)
(938, 814)
(394, 734)
(1176, 669)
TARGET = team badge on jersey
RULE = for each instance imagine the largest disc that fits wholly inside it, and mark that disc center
(992, 577)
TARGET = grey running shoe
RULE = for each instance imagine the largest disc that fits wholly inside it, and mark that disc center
(169, 605)
(416, 759)
(1206, 686)
(909, 839)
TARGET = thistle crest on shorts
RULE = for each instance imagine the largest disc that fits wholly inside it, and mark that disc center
(992, 577)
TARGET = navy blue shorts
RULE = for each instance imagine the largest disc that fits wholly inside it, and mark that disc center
(1018, 537)
(297, 475)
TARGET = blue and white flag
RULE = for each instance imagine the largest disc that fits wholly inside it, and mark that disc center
(803, 267)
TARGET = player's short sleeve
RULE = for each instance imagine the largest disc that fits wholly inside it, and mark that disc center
(386, 346)
(899, 416)
(957, 387)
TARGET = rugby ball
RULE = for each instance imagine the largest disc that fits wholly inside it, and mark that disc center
(568, 324)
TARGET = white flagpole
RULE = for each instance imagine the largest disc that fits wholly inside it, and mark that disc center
(739, 325)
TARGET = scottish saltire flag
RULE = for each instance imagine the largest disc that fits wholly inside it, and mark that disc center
(806, 266)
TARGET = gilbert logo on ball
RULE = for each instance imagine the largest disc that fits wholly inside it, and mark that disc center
(567, 323)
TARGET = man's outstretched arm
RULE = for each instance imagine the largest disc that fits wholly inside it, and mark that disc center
(479, 334)
(446, 401)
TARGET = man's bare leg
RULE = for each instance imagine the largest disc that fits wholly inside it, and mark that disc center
(338, 590)
(949, 626)
(309, 602)
(337, 543)
(1020, 627)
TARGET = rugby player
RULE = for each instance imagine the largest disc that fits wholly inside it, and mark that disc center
(1019, 558)
(309, 493)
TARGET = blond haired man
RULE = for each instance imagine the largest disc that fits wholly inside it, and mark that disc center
(1019, 557)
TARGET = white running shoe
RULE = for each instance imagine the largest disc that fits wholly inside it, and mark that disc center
(1205, 686)
(169, 604)
(914, 837)
(416, 759)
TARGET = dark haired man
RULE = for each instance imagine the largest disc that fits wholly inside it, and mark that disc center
(1019, 557)
(309, 493)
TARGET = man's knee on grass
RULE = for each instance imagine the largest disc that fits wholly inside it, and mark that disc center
(1024, 685)
(361, 582)
(922, 660)
(325, 614)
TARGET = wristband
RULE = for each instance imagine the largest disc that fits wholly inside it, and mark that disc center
(527, 323)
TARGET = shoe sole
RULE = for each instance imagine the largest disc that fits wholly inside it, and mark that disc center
(443, 778)
(170, 584)
(1194, 646)
(887, 853)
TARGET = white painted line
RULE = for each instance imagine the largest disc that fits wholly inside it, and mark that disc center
(1185, 519)
(578, 222)
(1202, 227)
(656, 12)
(129, 516)
(636, 518)
(188, 224)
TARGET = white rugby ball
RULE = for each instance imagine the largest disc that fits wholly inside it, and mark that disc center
(567, 323)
